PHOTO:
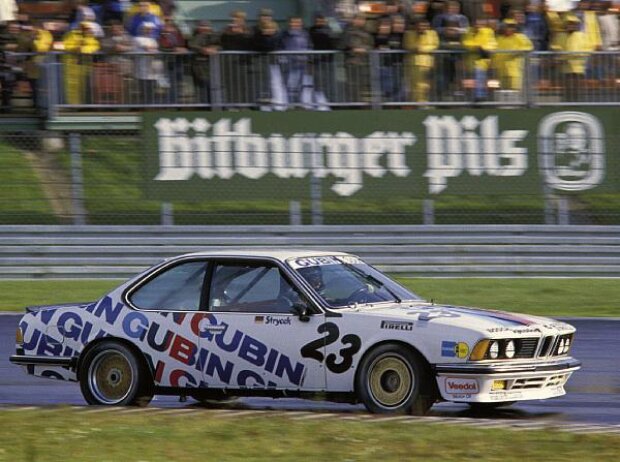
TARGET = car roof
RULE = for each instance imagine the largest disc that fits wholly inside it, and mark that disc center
(279, 254)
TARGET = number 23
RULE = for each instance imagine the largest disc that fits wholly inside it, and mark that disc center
(351, 342)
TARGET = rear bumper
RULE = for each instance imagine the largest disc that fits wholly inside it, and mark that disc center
(497, 382)
(52, 361)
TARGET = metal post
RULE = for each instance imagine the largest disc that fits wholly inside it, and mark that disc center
(77, 180)
(428, 212)
(527, 88)
(316, 206)
(294, 212)
(374, 61)
(563, 211)
(54, 95)
(549, 208)
(167, 214)
(215, 81)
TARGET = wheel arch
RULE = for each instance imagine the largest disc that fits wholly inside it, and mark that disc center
(432, 387)
(146, 364)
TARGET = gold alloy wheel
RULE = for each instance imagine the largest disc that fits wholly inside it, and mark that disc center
(111, 377)
(390, 380)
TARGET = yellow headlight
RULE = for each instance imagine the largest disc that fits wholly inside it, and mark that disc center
(19, 336)
(498, 385)
(479, 350)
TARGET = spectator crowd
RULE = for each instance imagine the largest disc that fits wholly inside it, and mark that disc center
(427, 48)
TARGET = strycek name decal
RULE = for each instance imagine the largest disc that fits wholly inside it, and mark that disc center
(183, 349)
(397, 325)
(276, 321)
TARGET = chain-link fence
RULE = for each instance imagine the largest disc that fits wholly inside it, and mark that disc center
(238, 170)
(312, 80)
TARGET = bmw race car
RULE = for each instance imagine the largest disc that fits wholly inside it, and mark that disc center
(291, 323)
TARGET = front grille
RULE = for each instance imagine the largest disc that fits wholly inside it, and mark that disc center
(539, 382)
(526, 347)
(546, 346)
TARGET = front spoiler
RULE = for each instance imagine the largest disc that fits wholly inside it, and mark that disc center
(53, 361)
(504, 382)
(503, 368)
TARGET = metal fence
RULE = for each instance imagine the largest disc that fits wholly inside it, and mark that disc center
(102, 178)
(435, 251)
(317, 80)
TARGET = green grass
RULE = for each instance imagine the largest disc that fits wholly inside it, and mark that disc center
(551, 297)
(16, 295)
(21, 197)
(61, 435)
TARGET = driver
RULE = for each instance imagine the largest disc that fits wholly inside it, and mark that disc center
(314, 276)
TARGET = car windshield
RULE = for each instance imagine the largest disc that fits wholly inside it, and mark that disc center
(345, 280)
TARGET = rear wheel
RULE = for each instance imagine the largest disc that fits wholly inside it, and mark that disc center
(393, 380)
(112, 374)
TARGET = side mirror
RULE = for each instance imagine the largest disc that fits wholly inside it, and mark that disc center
(302, 311)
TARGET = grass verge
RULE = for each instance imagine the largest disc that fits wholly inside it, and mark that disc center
(22, 200)
(52, 435)
(551, 297)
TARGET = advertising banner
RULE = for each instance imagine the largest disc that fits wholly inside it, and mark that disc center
(380, 154)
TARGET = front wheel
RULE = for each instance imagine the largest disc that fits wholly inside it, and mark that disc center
(393, 380)
(111, 374)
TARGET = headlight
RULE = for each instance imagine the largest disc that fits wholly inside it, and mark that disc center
(494, 350)
(510, 349)
(19, 337)
(561, 347)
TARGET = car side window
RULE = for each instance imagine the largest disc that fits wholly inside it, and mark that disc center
(251, 288)
(176, 289)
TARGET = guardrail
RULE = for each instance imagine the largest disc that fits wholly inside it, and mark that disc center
(318, 80)
(428, 251)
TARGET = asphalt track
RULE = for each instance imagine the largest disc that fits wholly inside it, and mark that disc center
(593, 392)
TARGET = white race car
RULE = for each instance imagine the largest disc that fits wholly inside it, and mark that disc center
(291, 323)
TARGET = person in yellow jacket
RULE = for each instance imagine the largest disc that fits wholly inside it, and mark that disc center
(41, 41)
(509, 66)
(576, 46)
(589, 24)
(479, 41)
(77, 67)
(420, 41)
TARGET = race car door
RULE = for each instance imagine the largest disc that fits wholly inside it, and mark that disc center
(252, 338)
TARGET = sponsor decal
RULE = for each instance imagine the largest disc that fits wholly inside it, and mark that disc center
(496, 330)
(185, 349)
(305, 262)
(428, 314)
(461, 386)
(278, 320)
(454, 349)
(572, 152)
(225, 149)
(397, 325)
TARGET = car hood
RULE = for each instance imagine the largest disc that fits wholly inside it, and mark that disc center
(491, 322)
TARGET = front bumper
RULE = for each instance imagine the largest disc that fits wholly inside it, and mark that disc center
(501, 381)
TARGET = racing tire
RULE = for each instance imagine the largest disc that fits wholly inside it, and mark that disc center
(111, 374)
(393, 380)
